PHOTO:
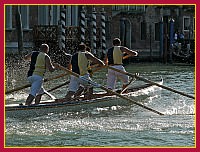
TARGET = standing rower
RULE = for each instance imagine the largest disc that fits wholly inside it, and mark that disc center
(79, 64)
(114, 59)
(40, 61)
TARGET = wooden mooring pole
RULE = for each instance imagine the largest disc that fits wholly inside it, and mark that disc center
(19, 30)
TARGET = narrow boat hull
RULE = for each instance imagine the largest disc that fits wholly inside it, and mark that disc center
(20, 111)
(50, 106)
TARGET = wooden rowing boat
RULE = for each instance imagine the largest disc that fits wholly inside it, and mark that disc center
(106, 100)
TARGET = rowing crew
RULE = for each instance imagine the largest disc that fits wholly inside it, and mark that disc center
(79, 63)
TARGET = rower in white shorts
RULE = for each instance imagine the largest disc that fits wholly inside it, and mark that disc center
(79, 63)
(114, 58)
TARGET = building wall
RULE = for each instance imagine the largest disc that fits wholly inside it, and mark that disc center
(133, 18)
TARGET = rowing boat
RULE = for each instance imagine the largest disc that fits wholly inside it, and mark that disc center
(98, 100)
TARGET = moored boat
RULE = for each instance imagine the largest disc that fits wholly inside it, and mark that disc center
(98, 100)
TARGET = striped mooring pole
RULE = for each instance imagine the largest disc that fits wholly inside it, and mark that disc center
(103, 31)
(94, 31)
(82, 25)
(63, 24)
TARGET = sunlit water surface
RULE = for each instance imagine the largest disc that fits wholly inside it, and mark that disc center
(127, 126)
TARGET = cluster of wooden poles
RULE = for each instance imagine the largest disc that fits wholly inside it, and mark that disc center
(133, 100)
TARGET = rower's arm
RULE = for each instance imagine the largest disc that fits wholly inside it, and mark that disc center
(69, 66)
(49, 65)
(69, 58)
(106, 59)
(94, 59)
(28, 57)
(128, 51)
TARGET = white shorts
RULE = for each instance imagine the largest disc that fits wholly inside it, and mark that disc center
(113, 75)
(75, 82)
(36, 85)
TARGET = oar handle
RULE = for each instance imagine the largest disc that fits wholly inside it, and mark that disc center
(56, 87)
(56, 77)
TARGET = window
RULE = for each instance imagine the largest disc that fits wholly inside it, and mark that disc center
(8, 16)
(54, 14)
(186, 23)
(42, 15)
(74, 15)
(141, 8)
(132, 7)
(24, 11)
(143, 30)
(157, 31)
(68, 15)
(115, 8)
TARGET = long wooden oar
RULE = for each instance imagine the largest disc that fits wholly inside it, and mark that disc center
(127, 86)
(151, 82)
(110, 91)
(56, 87)
(28, 85)
(50, 95)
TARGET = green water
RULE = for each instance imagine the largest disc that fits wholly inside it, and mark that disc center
(129, 126)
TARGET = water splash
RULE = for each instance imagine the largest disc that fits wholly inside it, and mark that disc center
(181, 109)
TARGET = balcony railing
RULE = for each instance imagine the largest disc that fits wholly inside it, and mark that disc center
(128, 8)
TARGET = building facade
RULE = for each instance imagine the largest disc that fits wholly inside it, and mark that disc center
(138, 26)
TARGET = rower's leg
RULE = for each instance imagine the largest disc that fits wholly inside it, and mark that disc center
(125, 80)
(69, 95)
(124, 87)
(29, 99)
(89, 93)
(79, 91)
(111, 79)
(91, 90)
(38, 99)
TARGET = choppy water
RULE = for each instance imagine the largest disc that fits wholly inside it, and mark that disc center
(127, 126)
